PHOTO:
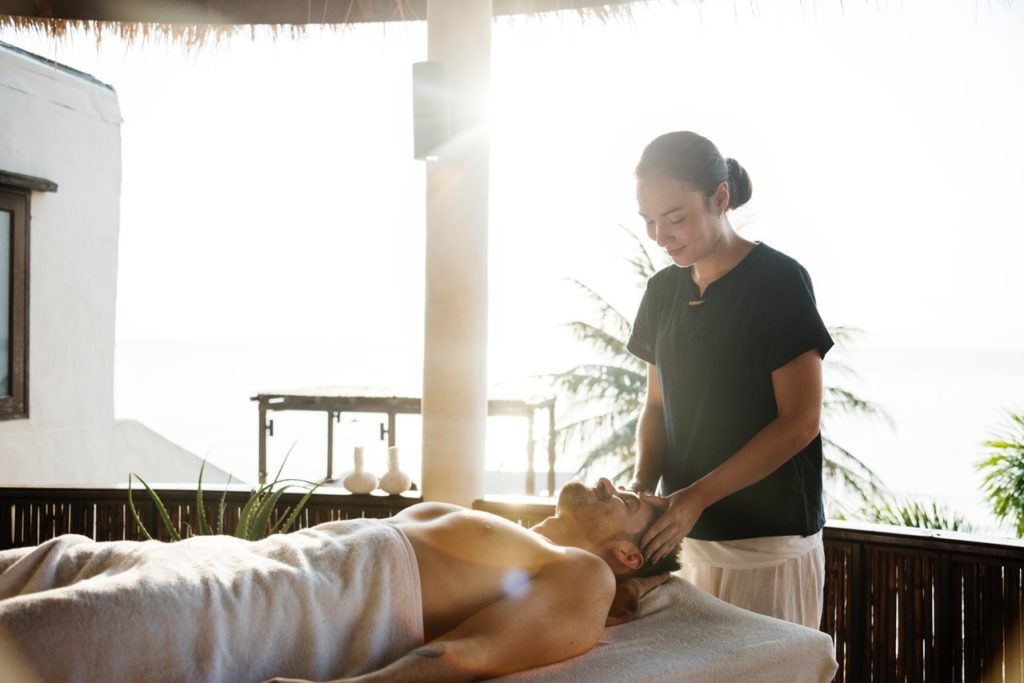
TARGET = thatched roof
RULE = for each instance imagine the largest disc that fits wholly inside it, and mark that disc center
(190, 20)
(266, 11)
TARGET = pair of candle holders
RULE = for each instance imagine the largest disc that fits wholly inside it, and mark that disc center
(394, 481)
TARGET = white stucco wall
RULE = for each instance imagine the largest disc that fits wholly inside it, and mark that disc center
(66, 128)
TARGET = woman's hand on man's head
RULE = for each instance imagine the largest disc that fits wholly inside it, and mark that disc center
(680, 513)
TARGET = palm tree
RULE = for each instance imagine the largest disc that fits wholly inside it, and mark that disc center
(840, 466)
(1004, 474)
(604, 397)
(912, 512)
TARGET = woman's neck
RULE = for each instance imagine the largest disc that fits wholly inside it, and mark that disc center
(727, 253)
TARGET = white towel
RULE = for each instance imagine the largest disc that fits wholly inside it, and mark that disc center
(686, 636)
(338, 599)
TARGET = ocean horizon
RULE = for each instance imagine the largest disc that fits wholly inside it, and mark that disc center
(943, 405)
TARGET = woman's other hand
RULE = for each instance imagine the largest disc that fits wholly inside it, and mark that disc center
(681, 511)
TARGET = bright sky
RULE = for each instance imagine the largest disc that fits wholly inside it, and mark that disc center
(269, 194)
(269, 191)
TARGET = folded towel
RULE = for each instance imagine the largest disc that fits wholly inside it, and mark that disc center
(338, 599)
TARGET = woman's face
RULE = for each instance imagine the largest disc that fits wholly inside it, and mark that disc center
(678, 218)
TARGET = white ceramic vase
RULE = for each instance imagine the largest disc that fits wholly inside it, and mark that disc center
(395, 481)
(358, 480)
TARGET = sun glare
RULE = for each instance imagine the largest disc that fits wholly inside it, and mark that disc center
(270, 197)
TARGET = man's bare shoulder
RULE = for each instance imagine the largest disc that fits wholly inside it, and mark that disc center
(584, 567)
(426, 511)
(441, 517)
(456, 531)
(458, 517)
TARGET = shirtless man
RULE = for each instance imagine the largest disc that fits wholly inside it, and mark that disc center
(498, 598)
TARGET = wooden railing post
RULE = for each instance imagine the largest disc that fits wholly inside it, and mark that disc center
(859, 630)
(947, 619)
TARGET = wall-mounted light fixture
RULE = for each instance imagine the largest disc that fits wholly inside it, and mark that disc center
(430, 110)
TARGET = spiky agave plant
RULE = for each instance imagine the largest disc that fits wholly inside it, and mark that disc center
(254, 521)
(604, 398)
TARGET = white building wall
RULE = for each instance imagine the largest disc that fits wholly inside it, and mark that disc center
(66, 128)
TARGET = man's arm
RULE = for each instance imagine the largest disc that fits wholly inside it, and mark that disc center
(650, 437)
(558, 615)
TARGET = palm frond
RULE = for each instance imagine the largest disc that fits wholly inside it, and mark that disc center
(915, 513)
(618, 445)
(640, 259)
(844, 335)
(847, 472)
(604, 438)
(838, 367)
(598, 382)
(838, 400)
(1003, 481)
(603, 340)
(606, 313)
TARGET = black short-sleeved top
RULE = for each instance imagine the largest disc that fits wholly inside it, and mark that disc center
(715, 360)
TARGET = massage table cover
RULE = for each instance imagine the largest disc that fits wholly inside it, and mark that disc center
(684, 635)
(222, 611)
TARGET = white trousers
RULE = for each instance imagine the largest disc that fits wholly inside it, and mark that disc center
(781, 576)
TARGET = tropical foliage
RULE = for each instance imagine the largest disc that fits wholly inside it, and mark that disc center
(912, 512)
(256, 520)
(605, 396)
(1003, 483)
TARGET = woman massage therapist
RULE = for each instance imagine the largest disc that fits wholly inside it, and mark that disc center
(729, 432)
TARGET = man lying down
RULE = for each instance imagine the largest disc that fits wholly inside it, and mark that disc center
(435, 593)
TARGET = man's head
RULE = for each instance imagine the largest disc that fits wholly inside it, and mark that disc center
(609, 522)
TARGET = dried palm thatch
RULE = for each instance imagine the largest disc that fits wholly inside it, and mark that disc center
(195, 22)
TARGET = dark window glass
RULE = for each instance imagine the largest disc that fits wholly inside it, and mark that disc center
(14, 219)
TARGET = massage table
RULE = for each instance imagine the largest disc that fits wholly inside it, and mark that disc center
(683, 634)
(222, 609)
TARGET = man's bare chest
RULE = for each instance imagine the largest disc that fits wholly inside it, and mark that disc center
(468, 561)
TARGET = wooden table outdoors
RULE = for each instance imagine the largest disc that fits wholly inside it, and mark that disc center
(337, 400)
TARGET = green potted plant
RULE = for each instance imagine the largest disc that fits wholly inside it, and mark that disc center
(255, 521)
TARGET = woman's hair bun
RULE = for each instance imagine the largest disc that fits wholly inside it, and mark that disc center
(694, 160)
(740, 187)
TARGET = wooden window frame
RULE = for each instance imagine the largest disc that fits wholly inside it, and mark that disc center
(17, 201)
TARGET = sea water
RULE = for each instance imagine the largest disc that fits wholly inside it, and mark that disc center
(943, 405)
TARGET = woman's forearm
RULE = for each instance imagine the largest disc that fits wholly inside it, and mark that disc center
(770, 448)
(779, 441)
(798, 392)
(650, 447)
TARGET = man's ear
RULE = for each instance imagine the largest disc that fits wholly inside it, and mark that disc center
(624, 556)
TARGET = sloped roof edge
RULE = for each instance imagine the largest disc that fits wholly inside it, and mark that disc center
(57, 65)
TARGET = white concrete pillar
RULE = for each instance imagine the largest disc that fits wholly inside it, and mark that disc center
(455, 334)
